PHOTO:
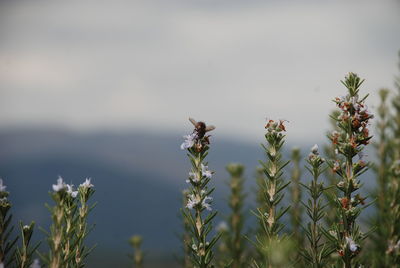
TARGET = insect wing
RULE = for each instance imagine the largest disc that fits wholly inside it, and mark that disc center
(193, 121)
(209, 128)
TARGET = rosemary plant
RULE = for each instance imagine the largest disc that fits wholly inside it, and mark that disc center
(199, 200)
(392, 253)
(85, 192)
(23, 255)
(296, 212)
(392, 256)
(69, 228)
(382, 170)
(349, 142)
(273, 195)
(382, 150)
(136, 242)
(315, 254)
(235, 241)
(6, 243)
(56, 236)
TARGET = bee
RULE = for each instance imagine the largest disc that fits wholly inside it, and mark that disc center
(201, 128)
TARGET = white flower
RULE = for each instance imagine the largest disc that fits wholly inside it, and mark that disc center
(205, 204)
(205, 171)
(352, 245)
(314, 149)
(192, 201)
(189, 141)
(87, 184)
(194, 176)
(26, 227)
(60, 185)
(2, 187)
(70, 190)
(35, 264)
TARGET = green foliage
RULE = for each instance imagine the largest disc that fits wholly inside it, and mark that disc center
(317, 252)
(6, 242)
(69, 228)
(273, 187)
(348, 142)
(198, 198)
(24, 254)
(296, 212)
(234, 243)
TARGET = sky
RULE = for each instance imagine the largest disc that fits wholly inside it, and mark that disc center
(149, 65)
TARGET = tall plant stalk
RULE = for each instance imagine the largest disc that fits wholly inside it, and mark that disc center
(24, 254)
(273, 193)
(199, 199)
(392, 253)
(6, 243)
(316, 254)
(235, 240)
(349, 142)
(69, 227)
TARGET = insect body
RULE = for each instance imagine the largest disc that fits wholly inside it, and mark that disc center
(201, 128)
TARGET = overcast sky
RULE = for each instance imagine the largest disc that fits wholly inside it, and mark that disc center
(115, 65)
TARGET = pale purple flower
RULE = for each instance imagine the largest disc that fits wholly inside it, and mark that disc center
(87, 183)
(60, 185)
(192, 201)
(70, 190)
(189, 141)
(352, 245)
(205, 171)
(205, 204)
(2, 186)
(194, 176)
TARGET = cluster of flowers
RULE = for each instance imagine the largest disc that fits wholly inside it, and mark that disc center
(273, 126)
(69, 188)
(201, 200)
(4, 203)
(353, 115)
(195, 177)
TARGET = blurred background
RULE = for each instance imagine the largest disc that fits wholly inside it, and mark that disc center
(104, 89)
